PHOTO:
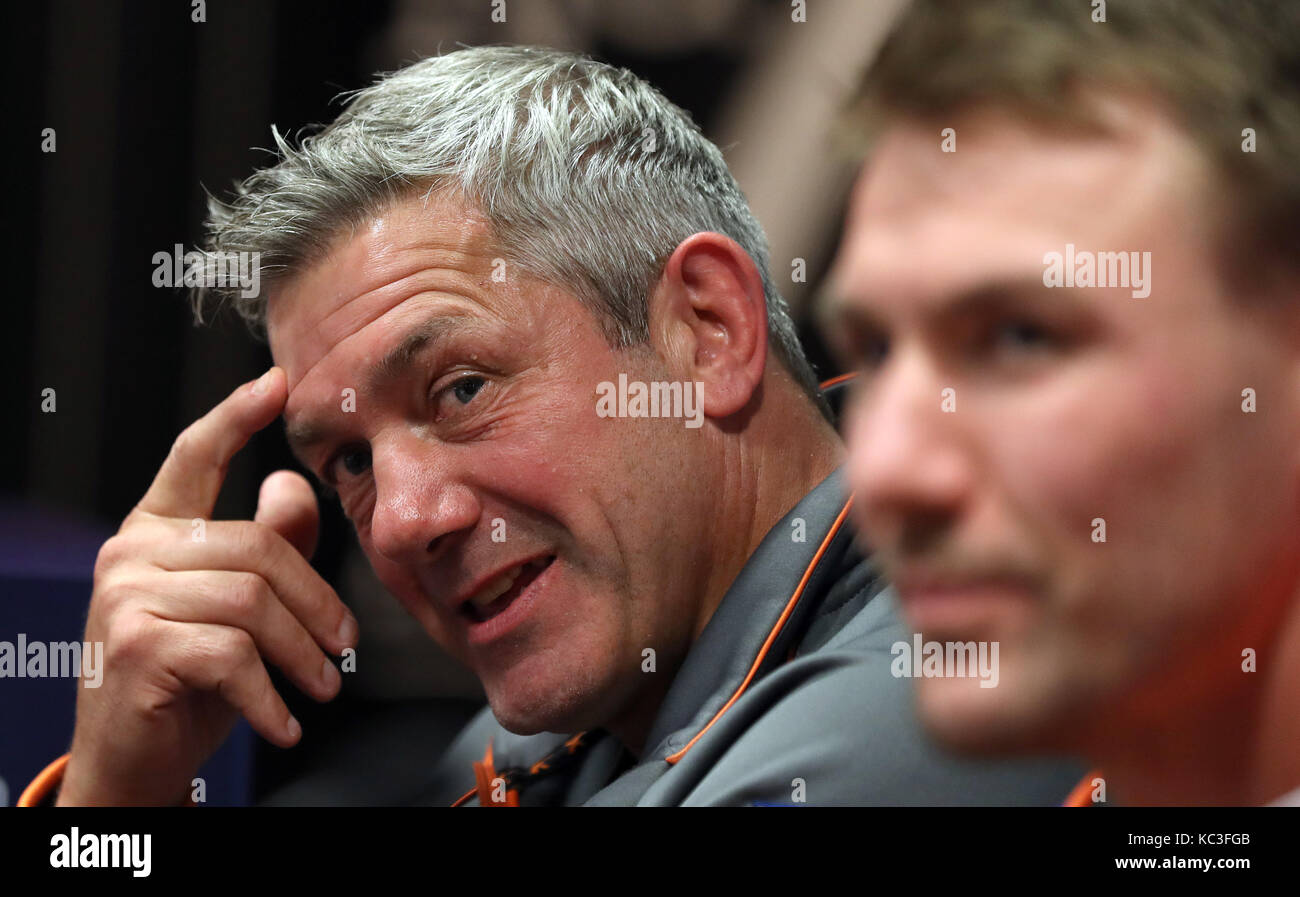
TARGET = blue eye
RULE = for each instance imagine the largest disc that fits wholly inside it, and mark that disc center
(466, 388)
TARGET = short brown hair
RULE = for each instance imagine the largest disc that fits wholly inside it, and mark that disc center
(1220, 66)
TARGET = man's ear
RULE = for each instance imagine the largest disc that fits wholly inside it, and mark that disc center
(708, 318)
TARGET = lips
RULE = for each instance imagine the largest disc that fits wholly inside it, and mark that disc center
(963, 605)
(502, 589)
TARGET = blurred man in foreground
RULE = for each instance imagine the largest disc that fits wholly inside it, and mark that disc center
(1071, 280)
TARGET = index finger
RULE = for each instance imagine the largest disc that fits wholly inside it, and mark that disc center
(189, 481)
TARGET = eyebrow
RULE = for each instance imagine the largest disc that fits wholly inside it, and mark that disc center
(403, 355)
(832, 310)
(835, 309)
(304, 434)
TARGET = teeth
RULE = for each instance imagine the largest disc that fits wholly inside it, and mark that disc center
(496, 588)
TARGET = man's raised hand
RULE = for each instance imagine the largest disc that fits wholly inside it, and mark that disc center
(188, 622)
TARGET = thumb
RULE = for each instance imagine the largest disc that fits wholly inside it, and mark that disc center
(287, 504)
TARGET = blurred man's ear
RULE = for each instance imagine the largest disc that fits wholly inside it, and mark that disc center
(708, 320)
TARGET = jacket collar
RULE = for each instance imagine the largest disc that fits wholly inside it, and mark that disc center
(761, 618)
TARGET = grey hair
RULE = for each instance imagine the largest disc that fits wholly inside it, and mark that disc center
(589, 176)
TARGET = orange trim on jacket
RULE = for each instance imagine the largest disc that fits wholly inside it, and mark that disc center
(1081, 796)
(827, 384)
(485, 774)
(771, 636)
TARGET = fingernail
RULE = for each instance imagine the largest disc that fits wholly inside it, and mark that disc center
(347, 633)
(329, 675)
(294, 728)
(263, 383)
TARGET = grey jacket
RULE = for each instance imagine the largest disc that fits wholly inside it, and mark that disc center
(815, 718)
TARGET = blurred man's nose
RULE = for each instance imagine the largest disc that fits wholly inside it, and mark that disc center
(419, 500)
(908, 465)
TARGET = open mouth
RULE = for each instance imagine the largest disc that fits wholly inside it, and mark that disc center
(499, 594)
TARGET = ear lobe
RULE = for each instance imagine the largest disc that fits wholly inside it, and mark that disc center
(711, 300)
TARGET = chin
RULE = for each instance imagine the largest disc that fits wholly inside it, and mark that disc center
(520, 724)
(528, 704)
(980, 722)
(533, 719)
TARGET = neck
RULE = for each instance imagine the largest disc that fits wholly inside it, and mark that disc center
(762, 474)
(1238, 749)
(759, 473)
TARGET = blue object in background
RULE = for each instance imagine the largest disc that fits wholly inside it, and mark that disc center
(46, 565)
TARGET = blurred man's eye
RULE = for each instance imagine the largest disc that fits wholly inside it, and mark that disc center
(1019, 336)
(872, 352)
(857, 348)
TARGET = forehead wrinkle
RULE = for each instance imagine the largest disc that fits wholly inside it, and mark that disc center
(451, 249)
(378, 301)
(400, 245)
(304, 433)
(380, 310)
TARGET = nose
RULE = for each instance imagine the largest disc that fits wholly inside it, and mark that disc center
(420, 498)
(908, 465)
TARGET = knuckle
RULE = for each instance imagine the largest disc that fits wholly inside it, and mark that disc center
(117, 591)
(112, 553)
(232, 648)
(191, 448)
(264, 693)
(247, 595)
(255, 697)
(183, 445)
(110, 595)
(131, 639)
(257, 541)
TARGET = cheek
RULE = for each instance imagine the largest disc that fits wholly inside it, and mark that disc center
(1082, 446)
(408, 592)
(613, 493)
(554, 454)
(394, 577)
(541, 455)
(1102, 474)
(358, 506)
(1153, 452)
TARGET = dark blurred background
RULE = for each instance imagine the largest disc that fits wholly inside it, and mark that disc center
(148, 108)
